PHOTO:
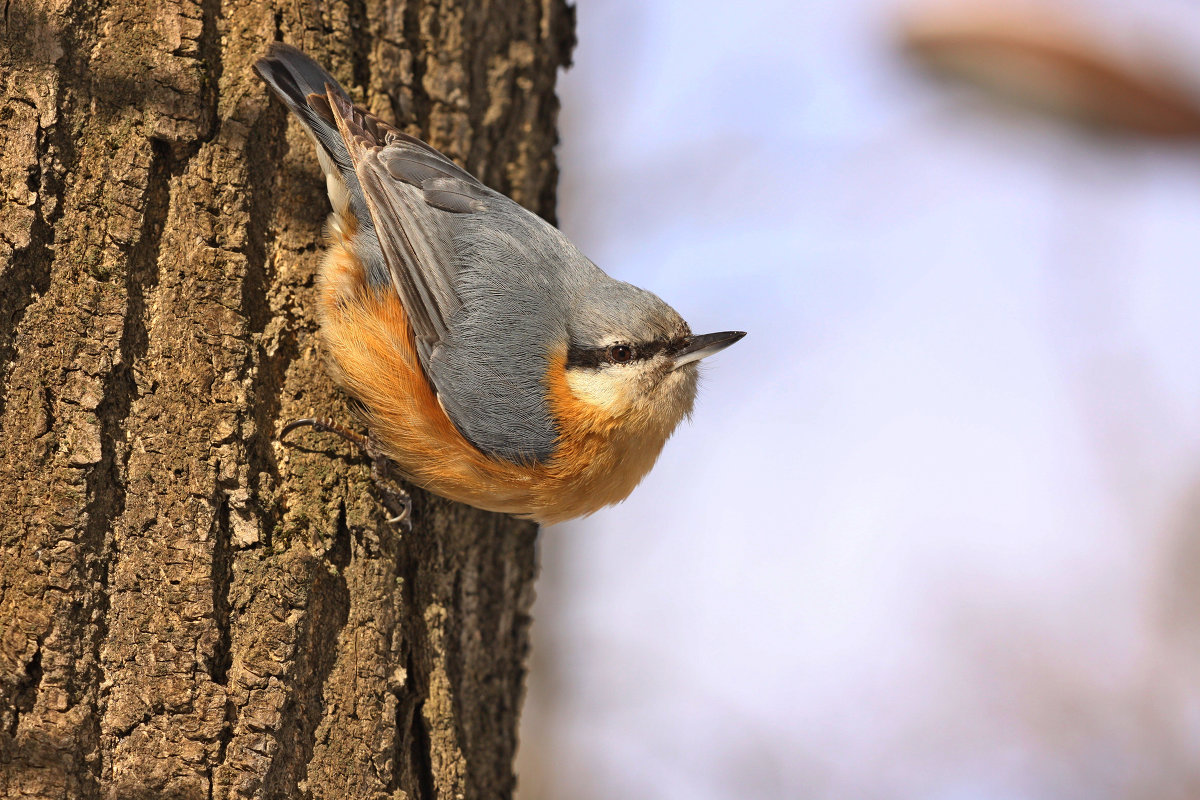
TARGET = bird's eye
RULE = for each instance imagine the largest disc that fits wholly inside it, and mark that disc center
(620, 354)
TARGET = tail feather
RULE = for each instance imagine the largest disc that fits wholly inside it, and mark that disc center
(306, 88)
(302, 84)
(294, 74)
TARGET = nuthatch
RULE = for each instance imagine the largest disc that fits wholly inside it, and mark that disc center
(494, 363)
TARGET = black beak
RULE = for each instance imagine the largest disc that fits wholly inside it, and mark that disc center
(698, 347)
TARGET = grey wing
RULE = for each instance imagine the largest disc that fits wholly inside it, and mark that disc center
(413, 193)
(486, 363)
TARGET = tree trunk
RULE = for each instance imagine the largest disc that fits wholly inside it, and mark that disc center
(189, 609)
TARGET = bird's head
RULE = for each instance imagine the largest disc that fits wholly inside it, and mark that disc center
(633, 358)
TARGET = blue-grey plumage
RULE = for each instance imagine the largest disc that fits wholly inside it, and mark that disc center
(530, 349)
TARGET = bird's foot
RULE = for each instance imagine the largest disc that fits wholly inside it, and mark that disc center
(396, 500)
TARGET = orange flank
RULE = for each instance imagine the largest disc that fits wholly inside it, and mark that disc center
(598, 458)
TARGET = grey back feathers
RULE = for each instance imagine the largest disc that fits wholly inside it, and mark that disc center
(490, 289)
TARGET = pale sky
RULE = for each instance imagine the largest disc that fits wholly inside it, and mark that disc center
(932, 530)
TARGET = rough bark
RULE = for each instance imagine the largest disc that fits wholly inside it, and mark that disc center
(187, 608)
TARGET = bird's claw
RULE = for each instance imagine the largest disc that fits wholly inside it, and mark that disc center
(396, 500)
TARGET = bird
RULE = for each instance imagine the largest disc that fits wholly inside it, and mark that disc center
(491, 362)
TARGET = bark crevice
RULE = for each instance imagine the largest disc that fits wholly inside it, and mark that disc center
(222, 583)
(105, 481)
(360, 38)
(26, 278)
(415, 41)
(212, 56)
(24, 692)
(325, 618)
(271, 356)
(419, 748)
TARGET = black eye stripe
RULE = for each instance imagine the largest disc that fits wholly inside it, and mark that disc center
(586, 357)
(651, 349)
(595, 357)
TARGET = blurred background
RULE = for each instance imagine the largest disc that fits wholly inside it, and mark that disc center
(934, 529)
